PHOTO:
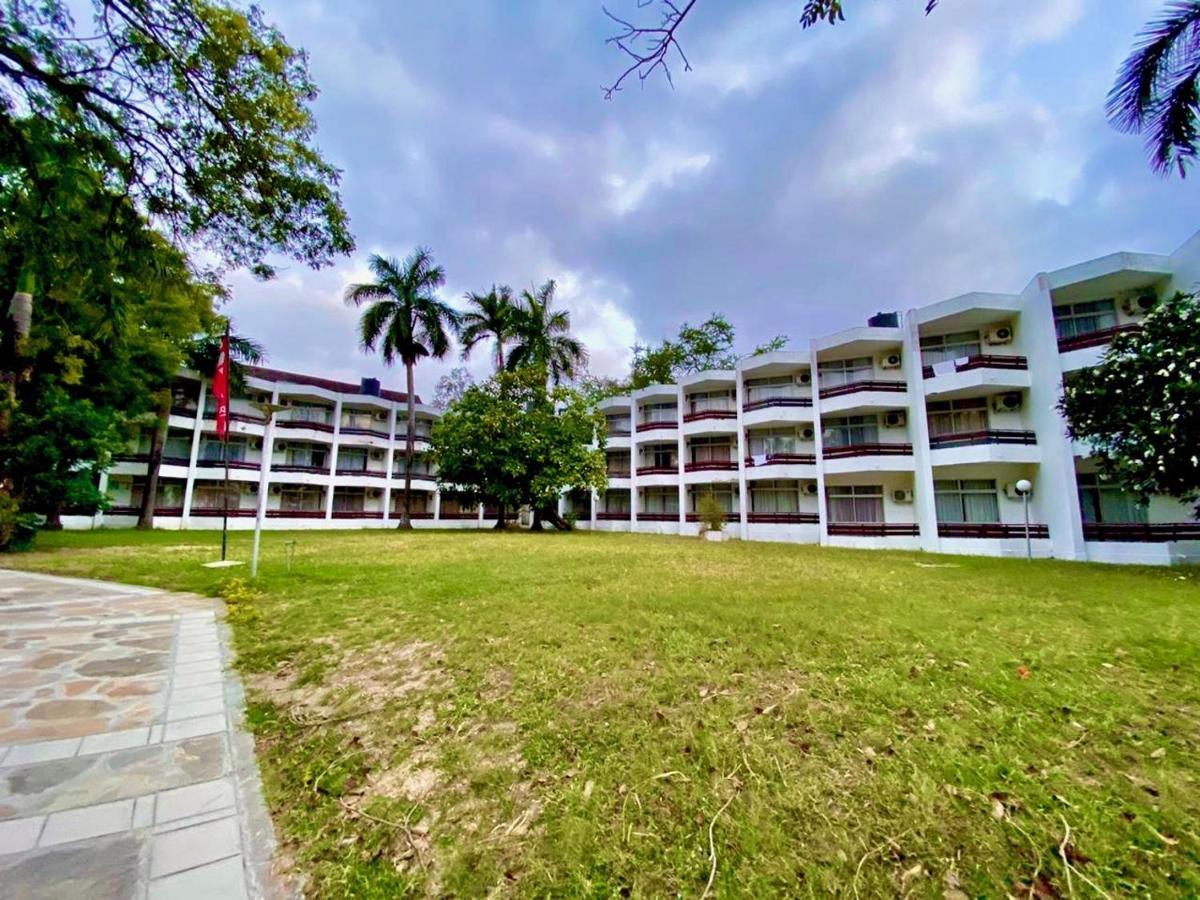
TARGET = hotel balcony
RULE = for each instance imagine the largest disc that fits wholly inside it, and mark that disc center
(712, 419)
(781, 465)
(658, 428)
(974, 375)
(991, 530)
(872, 529)
(1148, 533)
(710, 470)
(868, 457)
(791, 518)
(1101, 337)
(987, 446)
(868, 394)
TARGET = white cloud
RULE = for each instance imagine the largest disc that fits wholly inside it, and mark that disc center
(660, 167)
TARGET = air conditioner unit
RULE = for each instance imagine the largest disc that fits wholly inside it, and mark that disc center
(381, 416)
(1139, 304)
(376, 454)
(376, 492)
(902, 495)
(804, 377)
(281, 445)
(277, 489)
(806, 433)
(889, 360)
(810, 488)
(999, 334)
(894, 418)
(284, 401)
(1010, 402)
(256, 445)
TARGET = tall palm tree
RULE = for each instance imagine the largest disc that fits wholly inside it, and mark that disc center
(200, 355)
(543, 336)
(492, 316)
(1157, 92)
(408, 322)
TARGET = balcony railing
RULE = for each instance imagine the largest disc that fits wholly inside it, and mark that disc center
(887, 387)
(984, 361)
(295, 513)
(188, 412)
(369, 431)
(617, 473)
(145, 458)
(369, 473)
(305, 470)
(242, 464)
(867, 450)
(215, 512)
(784, 459)
(617, 432)
(766, 402)
(656, 426)
(712, 465)
(658, 470)
(357, 514)
(1095, 338)
(988, 436)
(796, 518)
(871, 529)
(994, 530)
(729, 517)
(459, 515)
(1142, 532)
(613, 516)
(305, 423)
(704, 414)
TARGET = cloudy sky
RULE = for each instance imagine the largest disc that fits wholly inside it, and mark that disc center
(795, 180)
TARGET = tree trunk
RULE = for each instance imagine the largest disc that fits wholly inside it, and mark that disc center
(536, 523)
(20, 312)
(501, 522)
(157, 439)
(405, 517)
(559, 523)
(499, 354)
(53, 519)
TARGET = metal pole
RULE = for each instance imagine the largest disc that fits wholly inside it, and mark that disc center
(261, 511)
(225, 495)
(1028, 543)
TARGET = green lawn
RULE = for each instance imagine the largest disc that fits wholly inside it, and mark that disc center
(464, 712)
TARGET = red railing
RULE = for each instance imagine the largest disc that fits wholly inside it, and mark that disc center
(1142, 533)
(356, 514)
(871, 529)
(370, 473)
(613, 516)
(217, 464)
(215, 512)
(989, 530)
(1095, 338)
(369, 432)
(657, 470)
(715, 465)
(123, 511)
(984, 361)
(309, 470)
(295, 513)
(729, 517)
(658, 517)
(617, 473)
(710, 414)
(887, 387)
(989, 436)
(797, 518)
(301, 423)
(785, 459)
(752, 405)
(457, 516)
(656, 426)
(617, 432)
(867, 450)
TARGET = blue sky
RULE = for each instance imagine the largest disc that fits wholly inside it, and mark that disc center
(795, 180)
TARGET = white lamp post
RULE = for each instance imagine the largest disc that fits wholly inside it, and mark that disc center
(1025, 488)
(268, 410)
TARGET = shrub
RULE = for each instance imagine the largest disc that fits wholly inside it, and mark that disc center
(712, 513)
(17, 529)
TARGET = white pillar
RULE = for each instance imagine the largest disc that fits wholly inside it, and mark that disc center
(390, 461)
(818, 445)
(681, 458)
(918, 432)
(333, 458)
(634, 454)
(739, 394)
(194, 455)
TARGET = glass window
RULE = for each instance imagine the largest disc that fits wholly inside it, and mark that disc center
(659, 412)
(618, 464)
(297, 498)
(212, 496)
(178, 446)
(418, 501)
(971, 501)
(706, 450)
(850, 431)
(771, 441)
(359, 418)
(855, 502)
(660, 500)
(711, 401)
(846, 371)
(779, 386)
(310, 413)
(941, 347)
(1104, 502)
(724, 493)
(353, 458)
(660, 456)
(774, 496)
(616, 502)
(1076, 319)
(306, 455)
(617, 424)
(210, 451)
(349, 500)
(958, 416)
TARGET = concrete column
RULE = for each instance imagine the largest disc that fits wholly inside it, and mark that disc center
(681, 453)
(193, 456)
(437, 506)
(333, 458)
(592, 511)
(1055, 486)
(918, 432)
(389, 461)
(818, 445)
(102, 487)
(634, 451)
(739, 393)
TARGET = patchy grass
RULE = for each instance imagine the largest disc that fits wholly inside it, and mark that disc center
(467, 713)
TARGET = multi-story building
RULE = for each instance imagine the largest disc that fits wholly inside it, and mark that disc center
(910, 432)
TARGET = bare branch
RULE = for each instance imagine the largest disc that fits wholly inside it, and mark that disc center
(649, 48)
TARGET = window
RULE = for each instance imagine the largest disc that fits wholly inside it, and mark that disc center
(710, 450)
(660, 500)
(1076, 319)
(210, 451)
(855, 502)
(618, 464)
(958, 416)
(617, 424)
(942, 347)
(616, 502)
(1104, 502)
(358, 418)
(212, 496)
(850, 431)
(971, 501)
(310, 413)
(771, 441)
(453, 504)
(178, 446)
(846, 371)
(299, 498)
(579, 504)
(659, 412)
(421, 466)
(711, 401)
(725, 495)
(775, 496)
(349, 500)
(418, 502)
(779, 386)
(352, 458)
(660, 456)
(306, 455)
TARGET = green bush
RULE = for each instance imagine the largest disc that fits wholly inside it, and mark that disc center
(17, 529)
(712, 513)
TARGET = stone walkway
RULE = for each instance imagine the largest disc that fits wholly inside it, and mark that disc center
(124, 772)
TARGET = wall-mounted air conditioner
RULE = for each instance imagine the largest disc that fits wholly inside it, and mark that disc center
(376, 454)
(1139, 304)
(998, 334)
(895, 418)
(281, 445)
(806, 433)
(810, 488)
(277, 489)
(902, 495)
(1009, 402)
(804, 377)
(889, 360)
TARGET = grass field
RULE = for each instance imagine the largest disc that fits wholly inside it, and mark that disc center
(473, 713)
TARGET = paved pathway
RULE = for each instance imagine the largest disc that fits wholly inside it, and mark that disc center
(124, 772)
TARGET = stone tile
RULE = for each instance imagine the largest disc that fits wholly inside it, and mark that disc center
(143, 812)
(114, 740)
(19, 835)
(187, 848)
(106, 869)
(41, 751)
(195, 708)
(87, 822)
(186, 728)
(206, 665)
(216, 690)
(224, 879)
(195, 679)
(193, 800)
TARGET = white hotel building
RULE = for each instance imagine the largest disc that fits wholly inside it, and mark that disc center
(910, 432)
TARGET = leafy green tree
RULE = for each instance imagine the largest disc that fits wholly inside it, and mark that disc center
(543, 337)
(490, 316)
(697, 348)
(406, 321)
(512, 441)
(1140, 408)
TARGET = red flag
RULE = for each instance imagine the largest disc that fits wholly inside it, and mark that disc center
(221, 388)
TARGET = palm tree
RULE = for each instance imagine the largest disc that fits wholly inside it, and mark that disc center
(199, 355)
(408, 322)
(1157, 92)
(544, 336)
(493, 317)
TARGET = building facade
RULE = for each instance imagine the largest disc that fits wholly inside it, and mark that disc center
(911, 432)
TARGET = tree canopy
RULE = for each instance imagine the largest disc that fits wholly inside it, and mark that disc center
(1140, 408)
(697, 348)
